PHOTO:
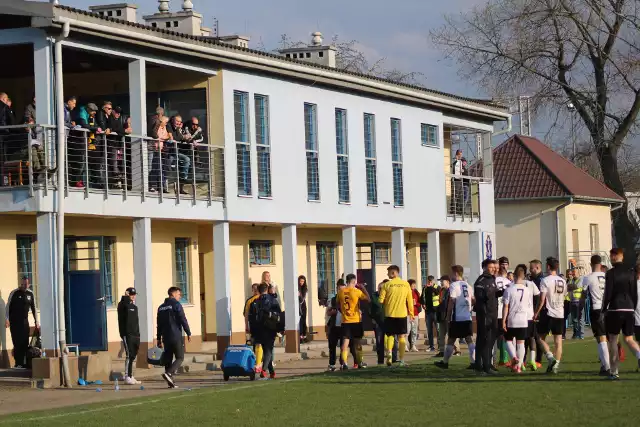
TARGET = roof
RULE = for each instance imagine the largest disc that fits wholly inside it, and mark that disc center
(525, 168)
(27, 6)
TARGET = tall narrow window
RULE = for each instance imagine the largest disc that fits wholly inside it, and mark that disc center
(396, 161)
(26, 261)
(182, 276)
(243, 146)
(370, 158)
(342, 150)
(326, 257)
(594, 237)
(263, 145)
(311, 145)
(109, 268)
(424, 264)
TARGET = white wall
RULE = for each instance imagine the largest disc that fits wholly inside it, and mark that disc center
(424, 188)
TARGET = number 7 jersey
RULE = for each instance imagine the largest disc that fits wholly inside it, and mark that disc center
(555, 288)
(519, 298)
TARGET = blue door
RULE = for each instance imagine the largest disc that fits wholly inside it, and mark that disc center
(85, 302)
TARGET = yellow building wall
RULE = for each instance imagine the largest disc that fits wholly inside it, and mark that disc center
(580, 216)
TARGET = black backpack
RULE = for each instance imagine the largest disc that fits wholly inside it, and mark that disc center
(268, 314)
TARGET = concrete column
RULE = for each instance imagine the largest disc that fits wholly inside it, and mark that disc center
(222, 285)
(144, 285)
(433, 253)
(46, 280)
(349, 250)
(398, 251)
(138, 108)
(290, 284)
(475, 255)
(43, 70)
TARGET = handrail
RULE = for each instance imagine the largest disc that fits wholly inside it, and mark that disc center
(29, 126)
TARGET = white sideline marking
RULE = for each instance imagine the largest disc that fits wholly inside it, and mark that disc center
(127, 405)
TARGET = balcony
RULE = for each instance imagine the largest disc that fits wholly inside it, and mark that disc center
(463, 197)
(114, 166)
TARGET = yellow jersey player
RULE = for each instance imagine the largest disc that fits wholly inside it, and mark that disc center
(397, 300)
(349, 302)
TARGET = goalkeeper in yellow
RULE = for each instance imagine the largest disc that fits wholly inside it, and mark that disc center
(397, 300)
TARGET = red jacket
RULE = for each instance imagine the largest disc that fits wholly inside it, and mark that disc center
(416, 302)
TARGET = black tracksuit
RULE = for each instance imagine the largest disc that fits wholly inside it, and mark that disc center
(265, 335)
(620, 300)
(171, 322)
(129, 326)
(536, 299)
(18, 306)
(486, 293)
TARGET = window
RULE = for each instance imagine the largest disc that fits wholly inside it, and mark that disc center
(308, 54)
(263, 145)
(320, 54)
(429, 135)
(168, 24)
(311, 145)
(182, 278)
(109, 268)
(396, 162)
(383, 253)
(594, 237)
(424, 264)
(342, 150)
(260, 252)
(26, 260)
(119, 13)
(154, 24)
(243, 147)
(110, 13)
(370, 158)
(326, 255)
(175, 23)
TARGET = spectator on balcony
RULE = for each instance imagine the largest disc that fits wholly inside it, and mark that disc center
(103, 117)
(86, 118)
(115, 147)
(457, 192)
(152, 122)
(69, 106)
(38, 161)
(180, 150)
(5, 112)
(30, 112)
(466, 185)
(197, 134)
(156, 163)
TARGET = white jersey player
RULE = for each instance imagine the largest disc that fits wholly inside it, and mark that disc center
(553, 289)
(593, 286)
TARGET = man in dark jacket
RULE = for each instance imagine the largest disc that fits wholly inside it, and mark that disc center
(618, 304)
(20, 302)
(265, 319)
(487, 294)
(430, 300)
(171, 322)
(535, 275)
(179, 151)
(129, 326)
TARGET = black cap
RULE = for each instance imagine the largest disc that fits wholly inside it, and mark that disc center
(118, 110)
(131, 291)
(503, 260)
(445, 277)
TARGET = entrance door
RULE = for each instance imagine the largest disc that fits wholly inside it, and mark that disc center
(365, 265)
(85, 299)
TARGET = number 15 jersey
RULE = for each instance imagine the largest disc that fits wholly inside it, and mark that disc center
(555, 288)
(462, 293)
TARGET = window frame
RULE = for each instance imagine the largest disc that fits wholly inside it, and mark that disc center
(342, 154)
(243, 142)
(370, 158)
(31, 273)
(396, 162)
(329, 269)
(424, 262)
(382, 246)
(110, 268)
(263, 144)
(426, 130)
(312, 151)
(270, 249)
(185, 244)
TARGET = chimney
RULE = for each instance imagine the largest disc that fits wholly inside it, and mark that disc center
(124, 11)
(187, 6)
(315, 53)
(163, 7)
(185, 21)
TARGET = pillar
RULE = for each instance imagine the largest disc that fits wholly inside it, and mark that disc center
(46, 280)
(398, 251)
(290, 283)
(433, 253)
(43, 75)
(222, 285)
(475, 255)
(143, 282)
(138, 108)
(349, 250)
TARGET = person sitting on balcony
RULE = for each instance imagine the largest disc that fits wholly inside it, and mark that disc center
(156, 162)
(178, 149)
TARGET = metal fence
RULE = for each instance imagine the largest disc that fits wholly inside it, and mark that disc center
(463, 197)
(116, 165)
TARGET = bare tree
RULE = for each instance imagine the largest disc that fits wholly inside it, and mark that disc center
(350, 57)
(586, 52)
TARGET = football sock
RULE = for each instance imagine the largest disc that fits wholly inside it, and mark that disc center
(448, 351)
(359, 354)
(549, 356)
(344, 355)
(472, 352)
(520, 352)
(603, 353)
(638, 355)
(533, 357)
(402, 346)
(613, 357)
(388, 342)
(259, 354)
(511, 349)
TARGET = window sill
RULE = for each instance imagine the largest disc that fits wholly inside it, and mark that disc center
(314, 201)
(265, 197)
(431, 146)
(345, 203)
(245, 196)
(261, 265)
(399, 206)
(372, 205)
(186, 304)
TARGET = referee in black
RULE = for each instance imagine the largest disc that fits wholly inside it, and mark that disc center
(487, 294)
(19, 303)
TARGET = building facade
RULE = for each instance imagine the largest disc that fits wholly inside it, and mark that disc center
(304, 170)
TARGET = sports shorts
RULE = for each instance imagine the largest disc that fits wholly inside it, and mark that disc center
(597, 323)
(395, 326)
(352, 330)
(619, 321)
(550, 324)
(520, 334)
(460, 330)
(532, 328)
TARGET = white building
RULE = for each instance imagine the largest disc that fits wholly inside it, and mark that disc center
(305, 170)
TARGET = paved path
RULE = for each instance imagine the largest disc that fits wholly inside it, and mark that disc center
(14, 400)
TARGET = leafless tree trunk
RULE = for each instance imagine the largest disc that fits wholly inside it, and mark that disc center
(586, 52)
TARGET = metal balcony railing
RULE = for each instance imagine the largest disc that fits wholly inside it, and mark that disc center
(116, 165)
(463, 197)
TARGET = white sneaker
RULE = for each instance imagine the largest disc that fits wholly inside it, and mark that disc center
(131, 381)
(414, 349)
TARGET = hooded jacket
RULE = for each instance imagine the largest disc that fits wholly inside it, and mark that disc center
(128, 321)
(171, 322)
(620, 290)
